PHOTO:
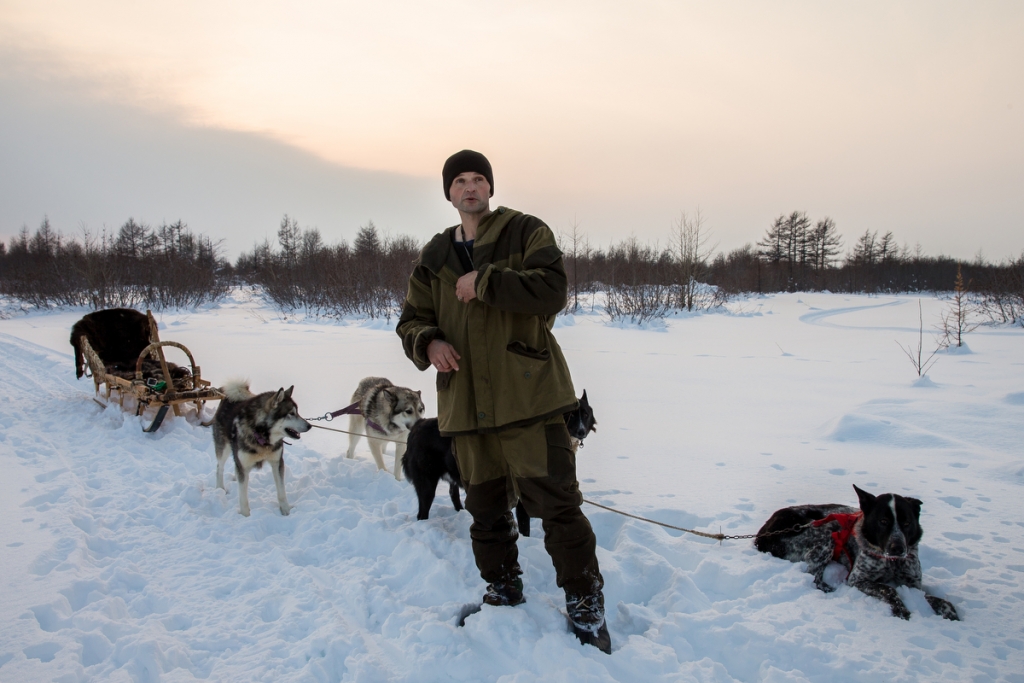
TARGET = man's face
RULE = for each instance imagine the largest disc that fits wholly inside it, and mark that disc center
(470, 192)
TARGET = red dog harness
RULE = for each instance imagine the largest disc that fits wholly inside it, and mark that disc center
(841, 538)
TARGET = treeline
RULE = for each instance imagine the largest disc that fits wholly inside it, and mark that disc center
(368, 278)
(138, 266)
(171, 266)
(641, 281)
(793, 255)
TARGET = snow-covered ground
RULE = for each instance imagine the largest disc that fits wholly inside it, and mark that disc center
(122, 562)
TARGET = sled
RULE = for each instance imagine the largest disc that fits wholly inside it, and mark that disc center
(156, 387)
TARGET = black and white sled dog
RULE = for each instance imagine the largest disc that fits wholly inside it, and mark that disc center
(877, 545)
(429, 458)
(580, 422)
(387, 413)
(252, 428)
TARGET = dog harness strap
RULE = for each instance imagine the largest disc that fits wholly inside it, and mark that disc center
(841, 538)
(348, 410)
(374, 425)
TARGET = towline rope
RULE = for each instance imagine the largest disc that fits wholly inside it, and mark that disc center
(718, 537)
(344, 431)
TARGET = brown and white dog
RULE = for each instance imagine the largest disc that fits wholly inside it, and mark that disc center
(877, 545)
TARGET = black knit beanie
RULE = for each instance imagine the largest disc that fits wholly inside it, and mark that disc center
(461, 162)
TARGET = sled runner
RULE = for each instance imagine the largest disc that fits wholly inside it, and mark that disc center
(151, 380)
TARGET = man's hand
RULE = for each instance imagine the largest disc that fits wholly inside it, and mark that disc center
(443, 355)
(465, 288)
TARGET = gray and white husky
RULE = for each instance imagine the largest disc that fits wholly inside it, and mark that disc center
(252, 429)
(388, 413)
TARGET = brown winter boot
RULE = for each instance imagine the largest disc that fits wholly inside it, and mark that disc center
(586, 619)
(502, 593)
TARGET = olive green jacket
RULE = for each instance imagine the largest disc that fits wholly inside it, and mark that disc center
(511, 371)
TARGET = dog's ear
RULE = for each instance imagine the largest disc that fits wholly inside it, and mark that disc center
(916, 504)
(583, 398)
(867, 501)
(392, 396)
(288, 392)
(419, 393)
(278, 397)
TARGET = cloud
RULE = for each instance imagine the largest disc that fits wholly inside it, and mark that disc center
(84, 159)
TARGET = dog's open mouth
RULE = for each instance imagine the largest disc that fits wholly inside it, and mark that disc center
(291, 433)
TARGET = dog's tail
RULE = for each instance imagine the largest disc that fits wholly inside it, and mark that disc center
(237, 390)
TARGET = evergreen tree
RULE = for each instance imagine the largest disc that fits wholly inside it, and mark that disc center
(367, 242)
(289, 236)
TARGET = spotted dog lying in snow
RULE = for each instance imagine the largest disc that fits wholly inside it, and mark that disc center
(876, 544)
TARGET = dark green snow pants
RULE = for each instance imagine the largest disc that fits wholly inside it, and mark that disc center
(535, 464)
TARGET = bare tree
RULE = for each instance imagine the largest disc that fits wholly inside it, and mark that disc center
(921, 364)
(865, 252)
(886, 248)
(640, 303)
(825, 244)
(773, 247)
(691, 251)
(1003, 300)
(574, 244)
(956, 321)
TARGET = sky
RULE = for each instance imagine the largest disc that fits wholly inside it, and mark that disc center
(616, 117)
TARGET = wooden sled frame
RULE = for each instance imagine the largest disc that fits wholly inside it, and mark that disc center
(197, 392)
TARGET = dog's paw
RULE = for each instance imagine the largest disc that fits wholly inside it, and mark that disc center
(900, 610)
(285, 509)
(944, 608)
(824, 586)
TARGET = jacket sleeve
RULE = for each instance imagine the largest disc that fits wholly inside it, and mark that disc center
(540, 288)
(417, 325)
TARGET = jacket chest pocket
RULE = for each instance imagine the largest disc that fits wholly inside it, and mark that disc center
(521, 349)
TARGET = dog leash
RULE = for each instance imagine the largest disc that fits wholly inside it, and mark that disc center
(353, 409)
(718, 537)
(345, 431)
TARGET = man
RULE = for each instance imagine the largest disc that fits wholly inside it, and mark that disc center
(482, 300)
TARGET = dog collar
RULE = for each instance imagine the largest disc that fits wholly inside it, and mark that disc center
(883, 556)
